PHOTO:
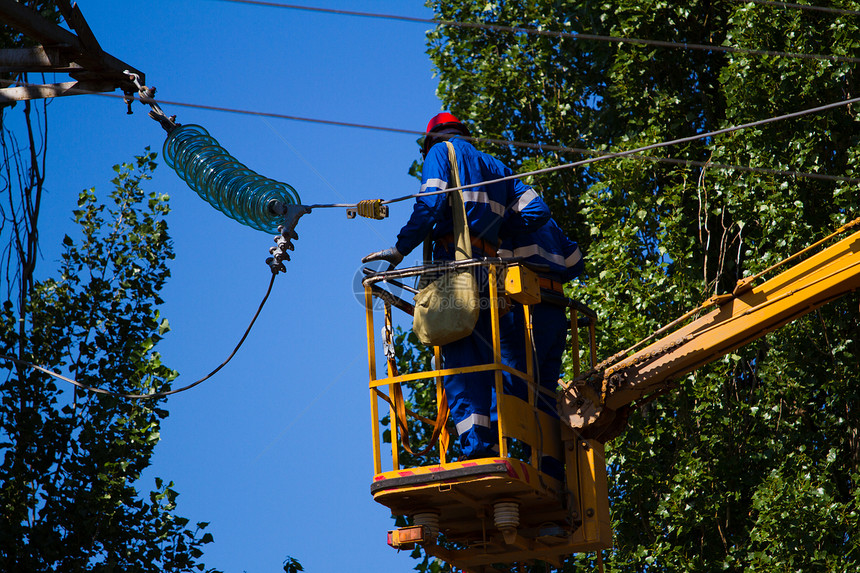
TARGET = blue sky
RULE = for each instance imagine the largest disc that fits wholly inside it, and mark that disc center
(275, 450)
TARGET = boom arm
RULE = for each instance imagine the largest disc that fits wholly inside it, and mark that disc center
(595, 403)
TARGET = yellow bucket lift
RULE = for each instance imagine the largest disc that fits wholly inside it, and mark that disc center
(479, 512)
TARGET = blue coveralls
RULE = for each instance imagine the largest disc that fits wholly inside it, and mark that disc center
(562, 260)
(521, 210)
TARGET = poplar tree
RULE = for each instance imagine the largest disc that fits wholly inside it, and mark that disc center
(70, 460)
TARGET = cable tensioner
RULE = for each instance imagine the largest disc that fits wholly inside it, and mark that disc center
(369, 208)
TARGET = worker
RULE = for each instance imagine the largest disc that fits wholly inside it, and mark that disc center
(558, 260)
(487, 207)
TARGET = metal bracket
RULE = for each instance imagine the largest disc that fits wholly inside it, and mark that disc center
(388, 343)
(284, 241)
(147, 97)
(60, 51)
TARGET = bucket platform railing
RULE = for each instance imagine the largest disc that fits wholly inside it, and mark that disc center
(475, 512)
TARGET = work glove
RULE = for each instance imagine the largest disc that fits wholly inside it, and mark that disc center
(391, 254)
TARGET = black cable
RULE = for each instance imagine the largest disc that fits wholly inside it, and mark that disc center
(503, 142)
(491, 141)
(155, 394)
(552, 33)
(805, 7)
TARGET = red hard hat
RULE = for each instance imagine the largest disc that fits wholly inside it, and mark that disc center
(441, 120)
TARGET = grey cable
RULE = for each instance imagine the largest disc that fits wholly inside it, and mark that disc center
(502, 142)
(617, 154)
(805, 7)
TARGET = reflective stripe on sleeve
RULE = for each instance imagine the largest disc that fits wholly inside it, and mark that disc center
(525, 199)
(560, 260)
(473, 420)
(532, 250)
(573, 258)
(438, 183)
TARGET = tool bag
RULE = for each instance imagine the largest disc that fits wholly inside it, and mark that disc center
(447, 308)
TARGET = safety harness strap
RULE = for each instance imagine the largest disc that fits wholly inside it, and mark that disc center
(462, 237)
(401, 412)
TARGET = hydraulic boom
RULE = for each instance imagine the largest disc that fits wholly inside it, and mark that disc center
(596, 403)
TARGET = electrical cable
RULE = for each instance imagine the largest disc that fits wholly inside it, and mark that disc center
(491, 141)
(555, 34)
(841, 11)
(613, 155)
(504, 142)
(153, 395)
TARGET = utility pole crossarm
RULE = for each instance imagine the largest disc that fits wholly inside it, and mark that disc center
(79, 55)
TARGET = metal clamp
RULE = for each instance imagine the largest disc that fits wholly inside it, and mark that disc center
(284, 241)
(388, 343)
(147, 97)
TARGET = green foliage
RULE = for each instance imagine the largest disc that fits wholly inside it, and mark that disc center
(292, 566)
(752, 464)
(11, 38)
(71, 459)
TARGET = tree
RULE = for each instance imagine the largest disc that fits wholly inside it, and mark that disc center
(752, 463)
(71, 458)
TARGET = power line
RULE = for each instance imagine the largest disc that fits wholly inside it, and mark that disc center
(619, 154)
(500, 142)
(748, 169)
(519, 144)
(806, 7)
(503, 142)
(553, 33)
